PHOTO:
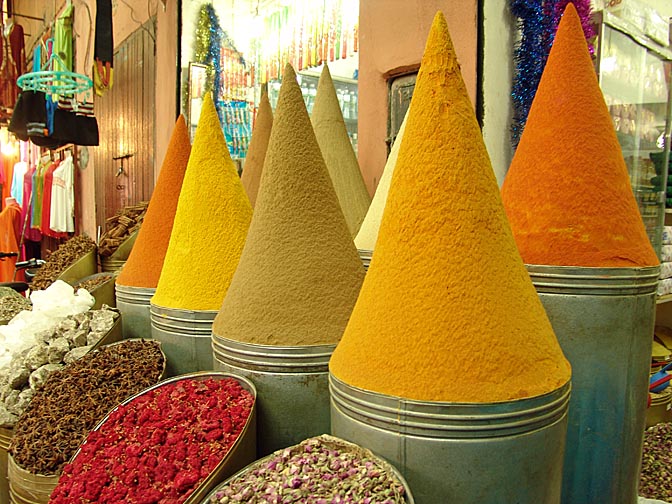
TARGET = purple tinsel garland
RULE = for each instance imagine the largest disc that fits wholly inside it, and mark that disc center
(537, 21)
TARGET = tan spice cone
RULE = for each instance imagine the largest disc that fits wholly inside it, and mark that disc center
(144, 264)
(210, 226)
(254, 162)
(338, 154)
(567, 193)
(368, 232)
(299, 273)
(447, 311)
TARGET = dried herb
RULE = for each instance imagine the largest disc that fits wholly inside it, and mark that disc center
(158, 447)
(66, 254)
(92, 283)
(73, 400)
(656, 477)
(11, 305)
(320, 470)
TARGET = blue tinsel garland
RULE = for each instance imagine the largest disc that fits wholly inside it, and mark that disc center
(530, 56)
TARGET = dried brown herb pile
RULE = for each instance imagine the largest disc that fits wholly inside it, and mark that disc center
(94, 282)
(73, 400)
(11, 305)
(64, 256)
(656, 477)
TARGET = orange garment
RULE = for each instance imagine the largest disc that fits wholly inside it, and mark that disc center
(8, 163)
(10, 221)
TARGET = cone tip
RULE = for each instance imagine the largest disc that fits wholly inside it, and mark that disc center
(289, 72)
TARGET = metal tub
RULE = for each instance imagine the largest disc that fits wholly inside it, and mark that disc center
(507, 452)
(604, 320)
(185, 335)
(292, 388)
(365, 256)
(133, 303)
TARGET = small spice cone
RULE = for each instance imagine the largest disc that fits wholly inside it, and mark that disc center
(567, 193)
(368, 232)
(447, 311)
(254, 162)
(211, 221)
(299, 273)
(332, 137)
(144, 264)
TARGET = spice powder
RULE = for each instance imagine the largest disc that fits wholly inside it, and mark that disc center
(144, 264)
(368, 232)
(299, 274)
(210, 226)
(338, 154)
(447, 311)
(254, 162)
(567, 193)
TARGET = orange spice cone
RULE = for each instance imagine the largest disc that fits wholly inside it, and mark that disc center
(447, 311)
(368, 232)
(254, 162)
(144, 264)
(299, 274)
(338, 154)
(210, 226)
(567, 193)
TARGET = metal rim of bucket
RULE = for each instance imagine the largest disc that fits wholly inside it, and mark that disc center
(137, 295)
(365, 255)
(329, 439)
(597, 281)
(178, 321)
(446, 419)
(280, 359)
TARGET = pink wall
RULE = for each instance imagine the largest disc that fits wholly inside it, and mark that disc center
(392, 39)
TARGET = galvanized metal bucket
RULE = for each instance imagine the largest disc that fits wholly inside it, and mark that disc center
(457, 452)
(604, 320)
(365, 256)
(185, 335)
(5, 440)
(133, 303)
(292, 388)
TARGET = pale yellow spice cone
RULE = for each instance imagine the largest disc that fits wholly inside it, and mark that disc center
(338, 154)
(300, 273)
(254, 162)
(447, 311)
(211, 222)
(368, 232)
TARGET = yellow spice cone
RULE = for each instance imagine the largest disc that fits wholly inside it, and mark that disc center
(144, 264)
(254, 162)
(567, 193)
(300, 273)
(332, 137)
(368, 232)
(211, 222)
(447, 311)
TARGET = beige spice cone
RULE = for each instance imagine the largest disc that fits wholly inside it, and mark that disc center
(299, 274)
(338, 154)
(254, 162)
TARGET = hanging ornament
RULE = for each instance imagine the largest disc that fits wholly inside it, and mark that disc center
(537, 21)
(207, 50)
(529, 58)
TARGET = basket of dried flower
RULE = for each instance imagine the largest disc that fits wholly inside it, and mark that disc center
(68, 405)
(319, 469)
(101, 287)
(172, 442)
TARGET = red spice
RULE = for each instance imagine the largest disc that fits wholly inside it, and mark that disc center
(159, 447)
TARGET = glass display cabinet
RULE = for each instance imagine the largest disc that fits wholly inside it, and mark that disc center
(634, 74)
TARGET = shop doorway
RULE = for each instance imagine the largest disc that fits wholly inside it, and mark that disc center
(124, 161)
